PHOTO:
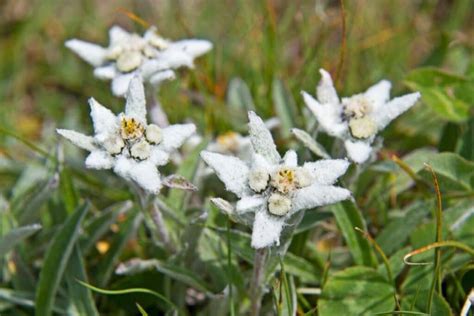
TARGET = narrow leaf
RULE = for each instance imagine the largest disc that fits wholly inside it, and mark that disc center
(56, 260)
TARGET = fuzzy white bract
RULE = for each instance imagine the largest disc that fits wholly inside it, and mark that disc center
(275, 188)
(356, 120)
(129, 54)
(126, 143)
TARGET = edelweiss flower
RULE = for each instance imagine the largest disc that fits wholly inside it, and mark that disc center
(275, 188)
(127, 143)
(356, 120)
(129, 54)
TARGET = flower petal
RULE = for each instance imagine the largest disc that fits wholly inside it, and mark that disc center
(379, 93)
(317, 195)
(162, 76)
(144, 173)
(175, 135)
(78, 139)
(99, 159)
(136, 104)
(117, 34)
(325, 90)
(120, 84)
(105, 122)
(230, 170)
(394, 108)
(249, 204)
(260, 163)
(358, 151)
(107, 72)
(192, 47)
(290, 159)
(266, 229)
(151, 67)
(328, 170)
(158, 156)
(174, 58)
(89, 52)
(328, 116)
(261, 138)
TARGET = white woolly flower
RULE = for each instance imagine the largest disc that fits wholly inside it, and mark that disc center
(357, 119)
(126, 143)
(275, 188)
(129, 54)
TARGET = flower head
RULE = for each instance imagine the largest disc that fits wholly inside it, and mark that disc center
(150, 56)
(275, 188)
(357, 119)
(126, 143)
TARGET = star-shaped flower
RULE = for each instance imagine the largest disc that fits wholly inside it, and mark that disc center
(357, 119)
(126, 143)
(128, 54)
(275, 188)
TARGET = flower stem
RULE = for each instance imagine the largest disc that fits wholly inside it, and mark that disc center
(256, 286)
(162, 231)
(152, 212)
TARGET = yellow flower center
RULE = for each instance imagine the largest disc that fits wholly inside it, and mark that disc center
(229, 141)
(284, 180)
(130, 128)
(357, 106)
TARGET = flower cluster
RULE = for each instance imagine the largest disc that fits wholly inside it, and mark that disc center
(356, 120)
(150, 56)
(271, 187)
(275, 188)
(126, 143)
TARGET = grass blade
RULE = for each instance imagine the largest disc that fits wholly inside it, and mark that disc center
(56, 260)
(16, 235)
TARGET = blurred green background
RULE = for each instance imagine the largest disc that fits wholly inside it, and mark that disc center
(273, 46)
(43, 84)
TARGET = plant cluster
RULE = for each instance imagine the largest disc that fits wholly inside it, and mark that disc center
(266, 219)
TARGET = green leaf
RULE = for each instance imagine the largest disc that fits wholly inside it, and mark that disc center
(126, 231)
(437, 90)
(25, 299)
(141, 310)
(238, 95)
(98, 226)
(301, 268)
(431, 77)
(128, 291)
(67, 190)
(348, 216)
(15, 236)
(79, 296)
(310, 143)
(466, 149)
(183, 275)
(453, 171)
(397, 232)
(284, 106)
(56, 260)
(286, 297)
(439, 308)
(356, 291)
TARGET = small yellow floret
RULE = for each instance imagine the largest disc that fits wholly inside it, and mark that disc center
(131, 128)
(284, 180)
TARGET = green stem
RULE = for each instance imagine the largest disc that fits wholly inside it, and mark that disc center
(229, 264)
(436, 283)
(256, 286)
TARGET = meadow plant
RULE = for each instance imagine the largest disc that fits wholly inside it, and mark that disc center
(228, 224)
